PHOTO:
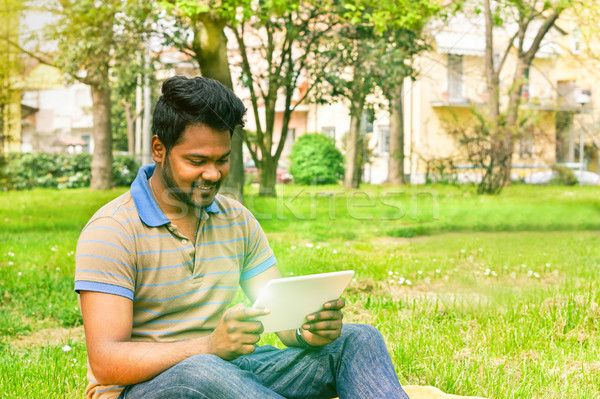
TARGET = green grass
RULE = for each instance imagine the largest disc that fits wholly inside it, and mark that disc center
(502, 302)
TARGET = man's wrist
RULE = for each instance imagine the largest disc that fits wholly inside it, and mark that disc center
(301, 340)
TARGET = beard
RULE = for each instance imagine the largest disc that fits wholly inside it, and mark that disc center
(187, 196)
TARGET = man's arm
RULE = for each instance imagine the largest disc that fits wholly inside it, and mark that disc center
(321, 328)
(115, 359)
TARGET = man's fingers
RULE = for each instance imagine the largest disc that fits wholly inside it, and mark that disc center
(323, 325)
(241, 312)
(331, 335)
(336, 304)
(245, 327)
(325, 315)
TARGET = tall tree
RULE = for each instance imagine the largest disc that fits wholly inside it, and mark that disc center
(279, 45)
(399, 48)
(530, 22)
(369, 53)
(208, 46)
(91, 41)
(10, 71)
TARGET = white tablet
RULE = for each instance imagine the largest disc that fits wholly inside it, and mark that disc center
(291, 299)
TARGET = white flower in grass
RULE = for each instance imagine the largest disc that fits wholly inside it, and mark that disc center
(419, 272)
(18, 274)
(401, 280)
(58, 269)
(530, 273)
(548, 265)
(293, 247)
(390, 272)
(438, 271)
(462, 251)
(318, 247)
(10, 253)
(391, 255)
(536, 275)
(416, 260)
(523, 265)
(408, 282)
(54, 248)
(291, 273)
(354, 279)
(70, 253)
(66, 348)
(74, 360)
(335, 251)
(434, 259)
(310, 245)
(486, 272)
(494, 274)
(480, 249)
(11, 263)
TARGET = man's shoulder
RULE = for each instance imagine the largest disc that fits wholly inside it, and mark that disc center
(121, 209)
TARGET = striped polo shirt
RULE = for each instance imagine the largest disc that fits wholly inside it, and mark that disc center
(179, 288)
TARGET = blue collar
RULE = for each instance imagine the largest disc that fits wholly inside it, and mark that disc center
(149, 211)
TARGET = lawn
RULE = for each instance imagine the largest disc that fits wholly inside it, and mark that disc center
(488, 296)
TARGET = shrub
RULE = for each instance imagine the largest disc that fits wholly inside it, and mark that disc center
(564, 176)
(315, 160)
(26, 171)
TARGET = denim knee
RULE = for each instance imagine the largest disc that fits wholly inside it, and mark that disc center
(200, 371)
(362, 335)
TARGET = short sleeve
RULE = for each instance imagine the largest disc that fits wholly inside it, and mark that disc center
(105, 259)
(258, 255)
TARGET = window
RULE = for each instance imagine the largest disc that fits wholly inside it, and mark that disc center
(290, 139)
(576, 41)
(526, 146)
(455, 77)
(328, 131)
(384, 139)
(86, 147)
(526, 88)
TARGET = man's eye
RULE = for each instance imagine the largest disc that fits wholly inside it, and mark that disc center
(223, 161)
(196, 163)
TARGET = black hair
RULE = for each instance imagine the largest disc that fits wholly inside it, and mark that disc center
(194, 101)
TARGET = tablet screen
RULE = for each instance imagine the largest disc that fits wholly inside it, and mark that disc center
(291, 299)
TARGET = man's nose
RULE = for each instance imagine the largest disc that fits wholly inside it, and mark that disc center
(211, 173)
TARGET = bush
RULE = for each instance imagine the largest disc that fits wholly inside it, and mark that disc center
(563, 176)
(26, 171)
(315, 160)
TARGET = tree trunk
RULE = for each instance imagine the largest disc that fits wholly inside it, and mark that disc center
(210, 47)
(130, 121)
(267, 176)
(492, 76)
(396, 160)
(102, 160)
(352, 144)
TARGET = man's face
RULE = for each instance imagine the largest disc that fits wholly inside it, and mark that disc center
(196, 166)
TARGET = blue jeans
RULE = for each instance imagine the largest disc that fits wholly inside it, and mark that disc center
(356, 365)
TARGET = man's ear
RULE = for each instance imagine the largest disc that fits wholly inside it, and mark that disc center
(159, 152)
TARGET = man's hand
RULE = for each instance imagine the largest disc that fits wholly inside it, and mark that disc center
(325, 326)
(236, 333)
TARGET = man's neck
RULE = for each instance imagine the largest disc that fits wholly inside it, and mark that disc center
(172, 207)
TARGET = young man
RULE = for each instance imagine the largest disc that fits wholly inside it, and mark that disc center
(157, 267)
